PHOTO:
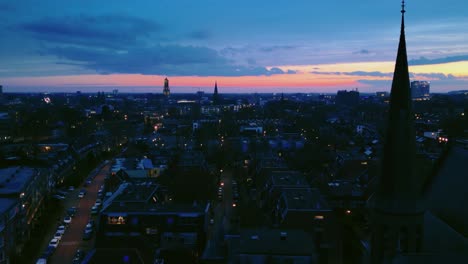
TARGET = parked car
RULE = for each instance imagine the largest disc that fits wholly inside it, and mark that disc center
(71, 211)
(58, 235)
(67, 220)
(71, 188)
(98, 202)
(54, 242)
(58, 197)
(41, 261)
(61, 229)
(94, 210)
(82, 193)
(48, 252)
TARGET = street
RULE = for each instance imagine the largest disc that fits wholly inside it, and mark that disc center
(72, 239)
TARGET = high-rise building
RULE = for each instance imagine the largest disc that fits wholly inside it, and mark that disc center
(166, 90)
(397, 205)
(420, 89)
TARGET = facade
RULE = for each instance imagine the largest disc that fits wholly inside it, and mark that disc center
(138, 216)
(420, 90)
(9, 209)
(28, 188)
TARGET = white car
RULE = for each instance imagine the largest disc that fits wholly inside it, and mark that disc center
(67, 220)
(98, 202)
(61, 229)
(54, 242)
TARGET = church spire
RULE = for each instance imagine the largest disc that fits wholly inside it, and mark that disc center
(398, 178)
(215, 94)
(397, 203)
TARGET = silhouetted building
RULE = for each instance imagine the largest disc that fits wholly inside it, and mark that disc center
(397, 216)
(166, 90)
(350, 98)
(215, 94)
(420, 89)
(381, 94)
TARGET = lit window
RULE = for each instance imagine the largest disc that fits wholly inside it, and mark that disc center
(319, 217)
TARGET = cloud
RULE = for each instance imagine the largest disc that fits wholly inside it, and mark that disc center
(436, 75)
(291, 72)
(121, 44)
(200, 35)
(276, 48)
(107, 31)
(363, 51)
(357, 73)
(426, 61)
(173, 60)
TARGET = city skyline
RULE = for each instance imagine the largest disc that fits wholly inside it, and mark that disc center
(245, 47)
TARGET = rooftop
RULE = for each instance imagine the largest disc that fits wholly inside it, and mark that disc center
(288, 178)
(14, 179)
(276, 242)
(304, 199)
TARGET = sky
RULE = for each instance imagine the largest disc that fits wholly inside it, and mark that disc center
(243, 45)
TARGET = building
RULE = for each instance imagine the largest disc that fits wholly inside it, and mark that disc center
(420, 90)
(346, 98)
(275, 246)
(140, 217)
(216, 99)
(28, 187)
(9, 208)
(166, 90)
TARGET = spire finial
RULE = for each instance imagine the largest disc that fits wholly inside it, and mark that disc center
(403, 7)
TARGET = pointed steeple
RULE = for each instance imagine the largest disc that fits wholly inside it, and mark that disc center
(398, 182)
(215, 94)
(397, 214)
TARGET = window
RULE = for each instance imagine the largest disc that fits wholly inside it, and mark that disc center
(116, 220)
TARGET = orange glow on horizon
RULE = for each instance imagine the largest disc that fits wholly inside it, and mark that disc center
(328, 76)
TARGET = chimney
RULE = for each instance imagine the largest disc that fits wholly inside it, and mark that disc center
(283, 235)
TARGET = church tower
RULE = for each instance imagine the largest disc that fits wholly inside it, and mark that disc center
(397, 213)
(215, 94)
(166, 90)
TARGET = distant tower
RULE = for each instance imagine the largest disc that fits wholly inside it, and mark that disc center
(397, 215)
(215, 94)
(166, 90)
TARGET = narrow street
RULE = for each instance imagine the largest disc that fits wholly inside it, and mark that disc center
(72, 239)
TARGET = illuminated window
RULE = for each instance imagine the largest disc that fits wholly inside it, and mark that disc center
(319, 217)
(116, 220)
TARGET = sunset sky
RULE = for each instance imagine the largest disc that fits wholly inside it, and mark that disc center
(244, 45)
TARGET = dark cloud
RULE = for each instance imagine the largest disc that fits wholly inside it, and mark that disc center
(276, 48)
(363, 51)
(161, 60)
(109, 31)
(200, 35)
(426, 61)
(291, 72)
(119, 44)
(364, 73)
(439, 76)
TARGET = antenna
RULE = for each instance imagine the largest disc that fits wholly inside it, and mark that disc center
(403, 7)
